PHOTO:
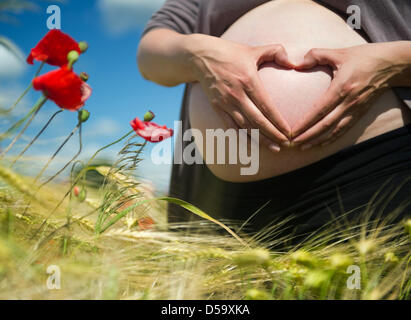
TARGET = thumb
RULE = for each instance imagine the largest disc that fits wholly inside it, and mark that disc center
(320, 57)
(273, 53)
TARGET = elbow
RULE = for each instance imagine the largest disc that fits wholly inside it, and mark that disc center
(141, 64)
(149, 73)
(150, 64)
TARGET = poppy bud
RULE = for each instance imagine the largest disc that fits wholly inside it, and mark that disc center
(145, 223)
(83, 46)
(72, 57)
(82, 195)
(76, 191)
(148, 116)
(84, 76)
(83, 115)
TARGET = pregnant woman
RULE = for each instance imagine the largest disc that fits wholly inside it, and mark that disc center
(332, 106)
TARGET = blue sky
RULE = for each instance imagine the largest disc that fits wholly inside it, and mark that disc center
(112, 29)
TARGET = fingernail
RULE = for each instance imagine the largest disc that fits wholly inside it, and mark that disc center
(286, 144)
(274, 147)
(306, 147)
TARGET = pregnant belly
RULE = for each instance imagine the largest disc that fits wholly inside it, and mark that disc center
(298, 25)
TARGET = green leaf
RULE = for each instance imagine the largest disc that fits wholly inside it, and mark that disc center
(201, 214)
(181, 203)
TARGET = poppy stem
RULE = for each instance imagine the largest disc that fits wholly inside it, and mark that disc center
(68, 163)
(79, 176)
(35, 110)
(108, 146)
(15, 126)
(61, 170)
(57, 151)
(16, 138)
(6, 111)
(35, 138)
(85, 168)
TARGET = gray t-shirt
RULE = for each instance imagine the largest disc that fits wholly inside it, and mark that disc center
(381, 20)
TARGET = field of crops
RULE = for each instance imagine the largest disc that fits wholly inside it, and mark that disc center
(68, 253)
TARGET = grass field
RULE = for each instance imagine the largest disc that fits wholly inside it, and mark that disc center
(79, 238)
(133, 259)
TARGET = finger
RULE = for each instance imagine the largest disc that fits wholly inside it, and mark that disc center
(320, 57)
(227, 119)
(345, 124)
(321, 127)
(262, 100)
(230, 123)
(341, 128)
(272, 146)
(326, 104)
(338, 130)
(244, 123)
(233, 118)
(272, 53)
(257, 120)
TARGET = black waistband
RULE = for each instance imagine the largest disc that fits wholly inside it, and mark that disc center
(357, 172)
(373, 155)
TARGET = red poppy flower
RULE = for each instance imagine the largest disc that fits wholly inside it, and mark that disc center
(146, 223)
(76, 191)
(53, 48)
(151, 131)
(64, 87)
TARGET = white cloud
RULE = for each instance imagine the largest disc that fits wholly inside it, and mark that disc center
(11, 65)
(105, 127)
(9, 92)
(158, 174)
(123, 15)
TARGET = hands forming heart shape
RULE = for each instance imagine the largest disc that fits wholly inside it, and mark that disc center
(228, 73)
(360, 74)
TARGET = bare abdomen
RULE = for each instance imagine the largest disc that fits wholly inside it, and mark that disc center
(298, 25)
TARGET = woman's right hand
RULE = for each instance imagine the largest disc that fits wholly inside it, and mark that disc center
(228, 74)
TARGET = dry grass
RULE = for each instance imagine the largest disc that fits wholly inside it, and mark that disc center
(125, 262)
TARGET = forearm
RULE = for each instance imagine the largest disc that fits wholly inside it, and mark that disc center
(400, 52)
(164, 57)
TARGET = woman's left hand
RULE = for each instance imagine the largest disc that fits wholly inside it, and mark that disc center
(361, 73)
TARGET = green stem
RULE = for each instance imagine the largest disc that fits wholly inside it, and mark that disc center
(22, 131)
(48, 163)
(78, 178)
(82, 171)
(57, 151)
(103, 216)
(108, 146)
(179, 202)
(68, 163)
(120, 215)
(404, 277)
(19, 123)
(35, 138)
(6, 111)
